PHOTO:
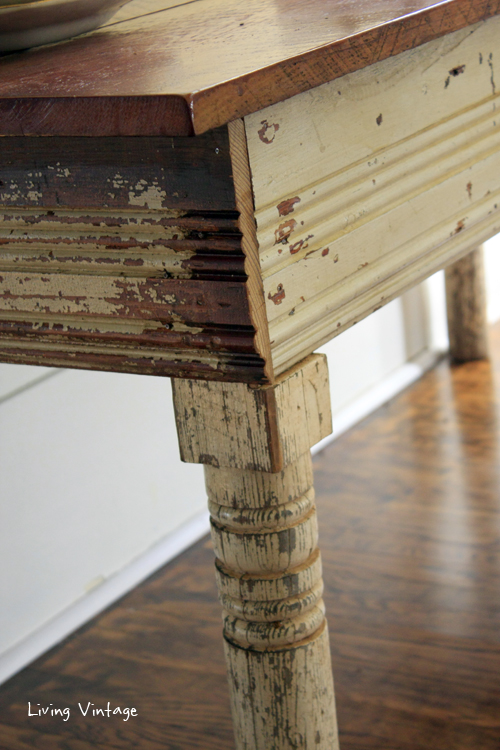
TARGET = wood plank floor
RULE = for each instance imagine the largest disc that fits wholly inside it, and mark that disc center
(409, 508)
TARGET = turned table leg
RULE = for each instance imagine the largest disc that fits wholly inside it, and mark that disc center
(466, 308)
(255, 444)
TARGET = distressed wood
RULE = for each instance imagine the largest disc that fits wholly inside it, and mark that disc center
(262, 429)
(466, 308)
(356, 201)
(265, 538)
(164, 68)
(129, 254)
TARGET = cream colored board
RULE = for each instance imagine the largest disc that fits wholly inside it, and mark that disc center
(374, 200)
(262, 429)
(296, 708)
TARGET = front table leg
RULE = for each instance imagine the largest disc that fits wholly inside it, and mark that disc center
(255, 444)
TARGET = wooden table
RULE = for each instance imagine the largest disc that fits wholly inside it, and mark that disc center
(211, 190)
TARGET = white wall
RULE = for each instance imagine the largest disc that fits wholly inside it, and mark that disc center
(90, 478)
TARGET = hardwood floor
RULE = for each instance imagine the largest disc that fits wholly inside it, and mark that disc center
(409, 508)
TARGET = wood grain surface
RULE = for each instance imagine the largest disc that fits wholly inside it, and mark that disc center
(409, 517)
(160, 68)
(126, 254)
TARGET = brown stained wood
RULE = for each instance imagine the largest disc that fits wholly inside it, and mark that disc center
(466, 308)
(102, 173)
(127, 254)
(164, 69)
(409, 518)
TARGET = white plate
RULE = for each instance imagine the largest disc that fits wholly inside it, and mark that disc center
(26, 24)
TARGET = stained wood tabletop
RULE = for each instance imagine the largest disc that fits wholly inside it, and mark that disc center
(161, 67)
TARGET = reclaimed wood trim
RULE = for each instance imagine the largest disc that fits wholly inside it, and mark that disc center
(125, 255)
(356, 202)
(60, 90)
(250, 246)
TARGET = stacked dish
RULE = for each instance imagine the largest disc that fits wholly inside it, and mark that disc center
(28, 23)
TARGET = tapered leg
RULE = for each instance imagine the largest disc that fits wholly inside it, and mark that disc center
(466, 308)
(255, 444)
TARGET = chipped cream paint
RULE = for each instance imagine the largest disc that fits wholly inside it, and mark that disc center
(77, 294)
(385, 199)
(149, 196)
(74, 323)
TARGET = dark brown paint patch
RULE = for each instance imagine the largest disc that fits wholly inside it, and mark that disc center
(325, 251)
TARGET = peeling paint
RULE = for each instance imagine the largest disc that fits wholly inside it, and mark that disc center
(284, 231)
(300, 245)
(279, 296)
(149, 196)
(267, 129)
(287, 206)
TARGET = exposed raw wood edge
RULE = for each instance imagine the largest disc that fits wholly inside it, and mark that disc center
(291, 349)
(250, 246)
(466, 308)
(364, 193)
(259, 89)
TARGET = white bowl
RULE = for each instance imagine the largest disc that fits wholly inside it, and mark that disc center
(24, 23)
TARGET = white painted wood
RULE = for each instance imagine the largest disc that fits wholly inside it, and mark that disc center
(356, 201)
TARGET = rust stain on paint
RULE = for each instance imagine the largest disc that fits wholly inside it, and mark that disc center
(457, 71)
(284, 231)
(325, 251)
(469, 189)
(267, 132)
(460, 226)
(279, 296)
(287, 206)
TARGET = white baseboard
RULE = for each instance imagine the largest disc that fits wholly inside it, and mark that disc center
(102, 596)
(112, 589)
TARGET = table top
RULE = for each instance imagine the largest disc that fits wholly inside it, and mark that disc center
(160, 67)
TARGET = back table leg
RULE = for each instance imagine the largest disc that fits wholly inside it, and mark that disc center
(466, 308)
(255, 444)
